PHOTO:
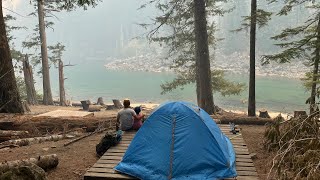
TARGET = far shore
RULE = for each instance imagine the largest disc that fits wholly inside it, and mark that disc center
(151, 106)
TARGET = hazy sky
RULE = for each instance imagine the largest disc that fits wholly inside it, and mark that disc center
(94, 34)
(90, 34)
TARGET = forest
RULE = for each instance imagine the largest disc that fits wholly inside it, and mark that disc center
(188, 30)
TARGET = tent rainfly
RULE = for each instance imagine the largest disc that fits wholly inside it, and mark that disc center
(179, 141)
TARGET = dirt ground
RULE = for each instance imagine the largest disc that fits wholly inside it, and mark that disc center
(76, 158)
(253, 136)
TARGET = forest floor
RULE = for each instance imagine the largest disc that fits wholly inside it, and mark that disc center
(76, 158)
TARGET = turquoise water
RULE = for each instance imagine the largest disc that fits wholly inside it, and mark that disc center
(90, 80)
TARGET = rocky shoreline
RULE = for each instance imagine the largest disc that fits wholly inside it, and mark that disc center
(237, 63)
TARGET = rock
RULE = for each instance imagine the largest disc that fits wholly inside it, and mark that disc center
(31, 172)
(45, 149)
(54, 146)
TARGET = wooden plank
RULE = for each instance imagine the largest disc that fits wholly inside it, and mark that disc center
(243, 168)
(112, 171)
(103, 169)
(247, 173)
(97, 165)
(244, 164)
(244, 178)
(96, 176)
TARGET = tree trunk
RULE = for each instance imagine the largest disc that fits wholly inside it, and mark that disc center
(28, 79)
(315, 72)
(198, 85)
(47, 95)
(9, 95)
(202, 56)
(61, 85)
(252, 80)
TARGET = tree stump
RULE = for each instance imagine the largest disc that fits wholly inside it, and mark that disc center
(100, 101)
(117, 103)
(85, 104)
(25, 106)
(302, 114)
(264, 114)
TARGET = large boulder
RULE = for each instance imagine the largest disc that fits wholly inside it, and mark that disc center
(30, 172)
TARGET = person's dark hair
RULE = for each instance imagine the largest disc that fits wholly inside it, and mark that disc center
(137, 110)
(126, 103)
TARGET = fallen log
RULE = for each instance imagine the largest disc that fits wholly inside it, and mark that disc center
(94, 108)
(45, 162)
(82, 137)
(76, 104)
(13, 133)
(36, 140)
(6, 124)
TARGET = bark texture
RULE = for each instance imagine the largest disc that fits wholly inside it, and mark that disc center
(252, 79)
(47, 95)
(315, 77)
(61, 85)
(9, 95)
(202, 57)
(29, 81)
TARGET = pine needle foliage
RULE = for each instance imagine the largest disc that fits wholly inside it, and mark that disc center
(301, 42)
(174, 29)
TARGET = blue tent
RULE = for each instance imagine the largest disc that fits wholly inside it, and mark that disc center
(179, 141)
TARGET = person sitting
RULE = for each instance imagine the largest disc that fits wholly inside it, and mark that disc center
(138, 119)
(125, 117)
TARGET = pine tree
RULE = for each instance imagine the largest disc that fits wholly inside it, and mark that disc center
(301, 42)
(179, 25)
(258, 17)
(56, 58)
(9, 95)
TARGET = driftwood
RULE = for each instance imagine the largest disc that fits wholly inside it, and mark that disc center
(35, 140)
(94, 108)
(8, 135)
(117, 103)
(76, 104)
(264, 114)
(82, 137)
(45, 162)
(13, 133)
(298, 114)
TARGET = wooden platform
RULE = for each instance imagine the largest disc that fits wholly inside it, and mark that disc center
(103, 168)
(66, 113)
